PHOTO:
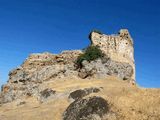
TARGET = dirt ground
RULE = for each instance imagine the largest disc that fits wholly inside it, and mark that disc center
(127, 102)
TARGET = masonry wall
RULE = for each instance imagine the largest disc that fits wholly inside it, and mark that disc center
(118, 47)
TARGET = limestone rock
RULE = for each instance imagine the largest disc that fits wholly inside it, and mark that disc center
(38, 68)
(102, 68)
(16, 91)
(82, 109)
(118, 47)
(78, 94)
(46, 94)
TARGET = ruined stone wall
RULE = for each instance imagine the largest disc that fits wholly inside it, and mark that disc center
(118, 47)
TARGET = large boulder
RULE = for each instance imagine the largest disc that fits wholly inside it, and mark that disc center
(47, 94)
(78, 94)
(83, 109)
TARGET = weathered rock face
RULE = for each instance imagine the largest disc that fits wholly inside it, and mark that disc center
(78, 94)
(46, 94)
(92, 108)
(38, 68)
(27, 79)
(102, 68)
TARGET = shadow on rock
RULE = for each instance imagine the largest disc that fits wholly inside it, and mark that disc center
(83, 92)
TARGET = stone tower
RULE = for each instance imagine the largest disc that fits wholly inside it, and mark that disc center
(119, 47)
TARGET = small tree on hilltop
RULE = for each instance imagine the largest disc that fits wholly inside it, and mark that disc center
(91, 53)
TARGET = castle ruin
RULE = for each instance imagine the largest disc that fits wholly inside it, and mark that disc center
(119, 47)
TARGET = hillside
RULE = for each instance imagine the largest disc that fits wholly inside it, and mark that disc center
(126, 102)
(96, 83)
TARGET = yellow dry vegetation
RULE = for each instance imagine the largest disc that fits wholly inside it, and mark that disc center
(127, 101)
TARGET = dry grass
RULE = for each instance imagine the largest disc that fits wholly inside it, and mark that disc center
(127, 101)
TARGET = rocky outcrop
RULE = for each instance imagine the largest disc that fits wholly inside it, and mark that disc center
(29, 79)
(46, 94)
(92, 108)
(102, 68)
(16, 91)
(41, 67)
(78, 94)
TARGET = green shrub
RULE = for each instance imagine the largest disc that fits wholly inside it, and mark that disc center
(91, 53)
(96, 31)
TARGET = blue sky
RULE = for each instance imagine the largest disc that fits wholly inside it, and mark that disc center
(31, 26)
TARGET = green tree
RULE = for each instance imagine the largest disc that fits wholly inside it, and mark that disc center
(91, 53)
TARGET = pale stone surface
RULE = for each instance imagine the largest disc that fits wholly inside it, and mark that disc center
(118, 47)
(99, 69)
